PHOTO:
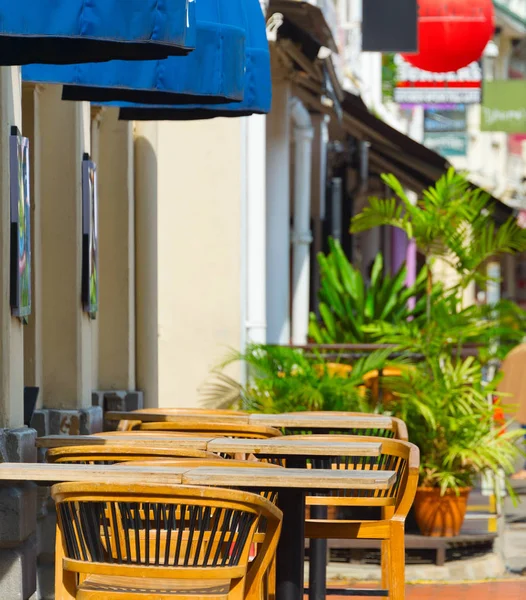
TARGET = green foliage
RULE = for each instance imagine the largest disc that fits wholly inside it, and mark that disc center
(451, 220)
(348, 303)
(443, 398)
(444, 403)
(284, 379)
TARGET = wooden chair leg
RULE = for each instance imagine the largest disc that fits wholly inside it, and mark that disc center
(387, 514)
(65, 581)
(397, 562)
(385, 564)
(271, 581)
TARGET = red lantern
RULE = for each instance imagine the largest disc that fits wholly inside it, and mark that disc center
(451, 33)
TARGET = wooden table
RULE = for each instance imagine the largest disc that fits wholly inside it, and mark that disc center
(280, 446)
(165, 440)
(287, 420)
(285, 447)
(324, 421)
(292, 484)
(189, 418)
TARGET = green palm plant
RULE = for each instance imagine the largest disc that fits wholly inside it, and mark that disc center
(348, 303)
(444, 403)
(284, 379)
(451, 220)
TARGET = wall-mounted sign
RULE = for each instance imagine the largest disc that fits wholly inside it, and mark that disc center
(414, 86)
(90, 240)
(445, 119)
(389, 26)
(504, 106)
(20, 226)
(447, 144)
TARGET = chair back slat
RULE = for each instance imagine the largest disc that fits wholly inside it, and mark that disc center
(155, 533)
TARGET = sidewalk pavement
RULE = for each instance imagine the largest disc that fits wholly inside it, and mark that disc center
(494, 590)
(512, 589)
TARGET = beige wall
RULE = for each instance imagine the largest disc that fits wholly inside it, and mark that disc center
(190, 314)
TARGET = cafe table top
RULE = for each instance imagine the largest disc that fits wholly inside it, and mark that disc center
(219, 476)
(279, 446)
(153, 440)
(296, 420)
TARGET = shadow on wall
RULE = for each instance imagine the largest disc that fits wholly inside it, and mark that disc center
(146, 280)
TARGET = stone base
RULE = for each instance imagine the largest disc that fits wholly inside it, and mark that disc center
(18, 568)
(18, 445)
(117, 401)
(52, 421)
(18, 518)
(18, 513)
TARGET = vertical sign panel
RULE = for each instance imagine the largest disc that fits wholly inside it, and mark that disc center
(390, 26)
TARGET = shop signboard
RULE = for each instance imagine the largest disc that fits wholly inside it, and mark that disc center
(414, 86)
(445, 119)
(447, 144)
(504, 106)
(389, 26)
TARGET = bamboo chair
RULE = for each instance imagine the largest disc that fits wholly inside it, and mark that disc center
(122, 542)
(126, 425)
(204, 429)
(396, 455)
(397, 430)
(108, 455)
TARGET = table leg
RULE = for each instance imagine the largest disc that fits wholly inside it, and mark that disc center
(290, 555)
(318, 560)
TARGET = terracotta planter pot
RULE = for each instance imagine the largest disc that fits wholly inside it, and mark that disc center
(440, 516)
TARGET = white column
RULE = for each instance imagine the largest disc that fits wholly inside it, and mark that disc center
(66, 328)
(302, 236)
(11, 332)
(278, 216)
(256, 234)
(116, 334)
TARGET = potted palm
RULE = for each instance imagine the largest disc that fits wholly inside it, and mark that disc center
(444, 399)
(444, 402)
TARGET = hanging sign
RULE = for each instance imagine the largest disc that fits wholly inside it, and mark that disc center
(447, 144)
(504, 106)
(452, 33)
(442, 120)
(414, 86)
(389, 26)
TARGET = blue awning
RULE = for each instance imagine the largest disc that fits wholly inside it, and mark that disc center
(258, 86)
(213, 72)
(78, 31)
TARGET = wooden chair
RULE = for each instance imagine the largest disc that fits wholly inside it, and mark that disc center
(272, 496)
(108, 455)
(399, 456)
(204, 429)
(126, 425)
(121, 542)
(397, 430)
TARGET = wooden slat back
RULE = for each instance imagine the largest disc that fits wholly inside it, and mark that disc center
(171, 531)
